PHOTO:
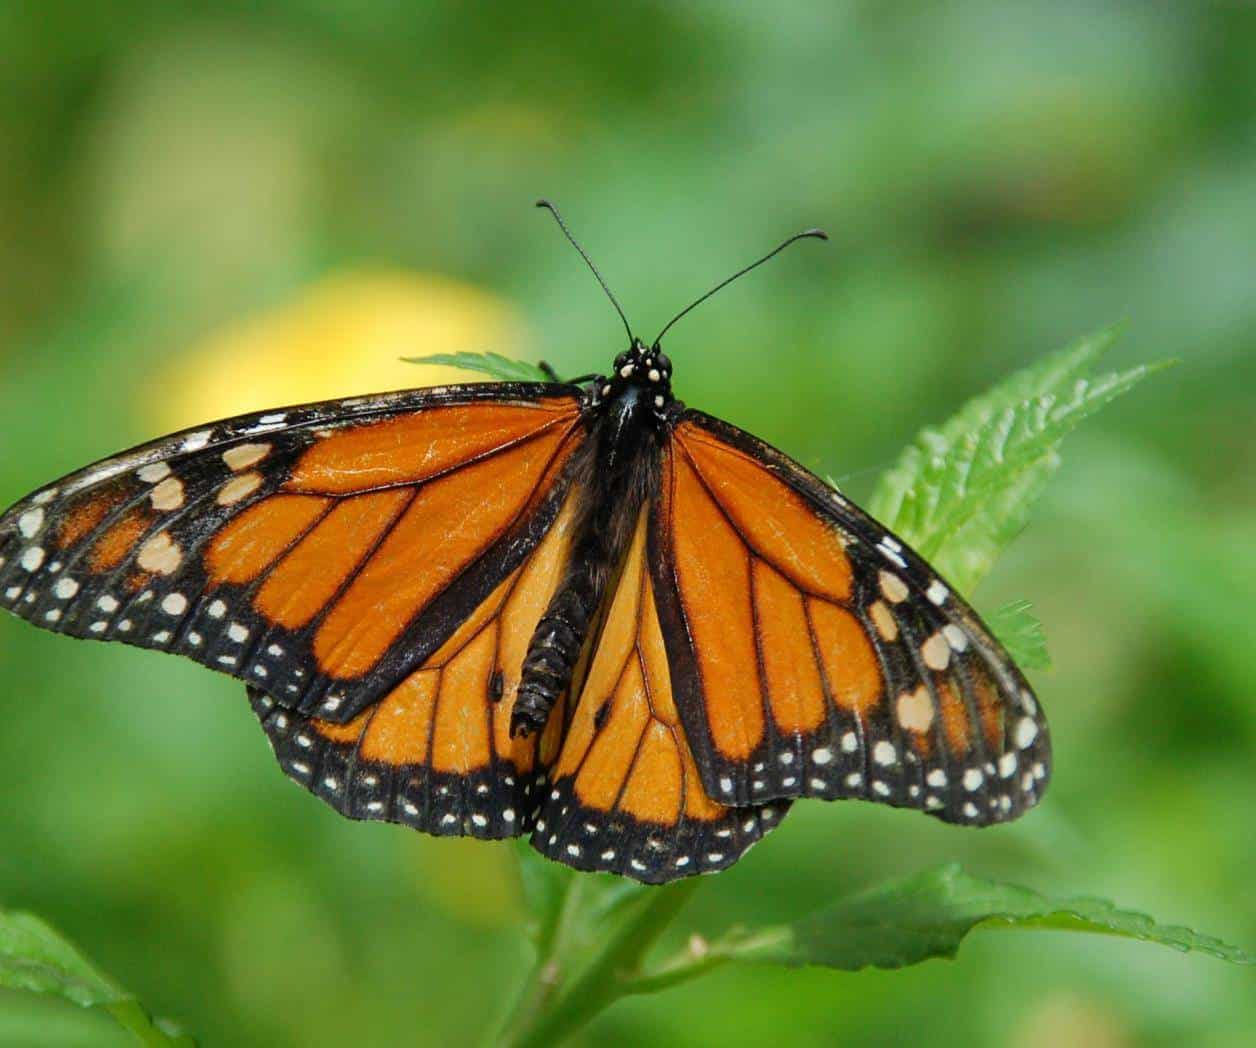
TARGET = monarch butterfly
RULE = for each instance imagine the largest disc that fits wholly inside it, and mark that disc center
(577, 610)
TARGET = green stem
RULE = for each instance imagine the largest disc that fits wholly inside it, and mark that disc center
(132, 1018)
(553, 940)
(700, 957)
(609, 975)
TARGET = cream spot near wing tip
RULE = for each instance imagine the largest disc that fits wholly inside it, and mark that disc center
(936, 652)
(160, 554)
(239, 487)
(167, 495)
(884, 621)
(30, 522)
(153, 472)
(242, 456)
(1026, 732)
(894, 588)
(915, 709)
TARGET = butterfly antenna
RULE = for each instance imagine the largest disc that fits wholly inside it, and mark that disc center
(818, 234)
(588, 261)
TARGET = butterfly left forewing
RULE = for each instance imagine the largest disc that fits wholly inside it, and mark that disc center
(813, 654)
(625, 794)
(320, 553)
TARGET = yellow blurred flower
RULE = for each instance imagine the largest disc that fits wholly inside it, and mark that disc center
(341, 337)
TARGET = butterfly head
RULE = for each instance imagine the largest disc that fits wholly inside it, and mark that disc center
(642, 368)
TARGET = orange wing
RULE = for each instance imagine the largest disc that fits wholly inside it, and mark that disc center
(813, 654)
(626, 795)
(322, 553)
(435, 753)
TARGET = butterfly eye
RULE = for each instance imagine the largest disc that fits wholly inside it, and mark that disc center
(664, 364)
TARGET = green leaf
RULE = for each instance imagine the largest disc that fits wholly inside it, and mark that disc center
(35, 958)
(929, 914)
(505, 368)
(961, 492)
(1019, 630)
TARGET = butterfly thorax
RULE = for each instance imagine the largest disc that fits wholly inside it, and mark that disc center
(627, 428)
(640, 368)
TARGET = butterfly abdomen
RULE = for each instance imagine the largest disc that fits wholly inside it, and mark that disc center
(554, 650)
(617, 481)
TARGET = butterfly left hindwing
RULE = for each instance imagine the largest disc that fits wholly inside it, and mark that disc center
(436, 753)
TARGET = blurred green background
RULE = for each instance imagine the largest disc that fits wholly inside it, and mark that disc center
(997, 180)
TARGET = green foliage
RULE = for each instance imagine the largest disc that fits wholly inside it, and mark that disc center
(961, 492)
(929, 914)
(507, 369)
(1021, 633)
(35, 958)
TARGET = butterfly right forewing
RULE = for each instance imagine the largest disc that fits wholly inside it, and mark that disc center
(814, 654)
